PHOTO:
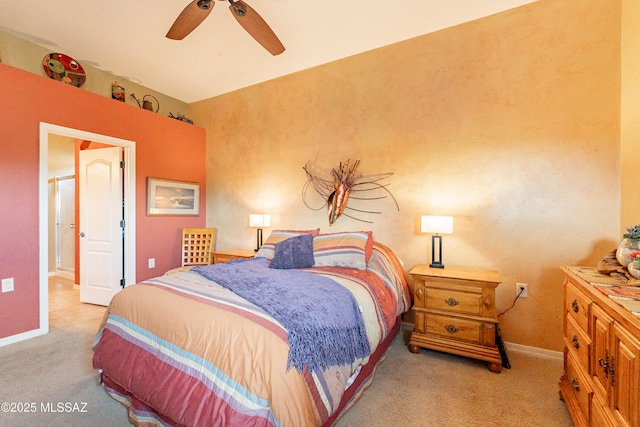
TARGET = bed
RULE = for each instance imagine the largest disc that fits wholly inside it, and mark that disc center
(224, 345)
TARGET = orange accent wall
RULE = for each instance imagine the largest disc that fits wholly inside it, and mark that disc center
(165, 148)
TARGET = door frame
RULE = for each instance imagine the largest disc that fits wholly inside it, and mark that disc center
(129, 194)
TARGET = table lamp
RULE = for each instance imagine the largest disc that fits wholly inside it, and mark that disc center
(259, 221)
(436, 225)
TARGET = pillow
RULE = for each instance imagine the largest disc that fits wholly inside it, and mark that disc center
(295, 252)
(347, 249)
(268, 247)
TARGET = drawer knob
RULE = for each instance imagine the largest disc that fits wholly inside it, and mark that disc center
(575, 306)
(451, 329)
(451, 302)
(574, 385)
(575, 342)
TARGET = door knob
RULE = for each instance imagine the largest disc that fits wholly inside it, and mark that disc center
(81, 234)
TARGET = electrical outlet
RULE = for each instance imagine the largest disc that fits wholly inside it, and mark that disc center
(7, 285)
(152, 263)
(522, 290)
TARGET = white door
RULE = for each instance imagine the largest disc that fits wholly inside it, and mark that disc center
(100, 228)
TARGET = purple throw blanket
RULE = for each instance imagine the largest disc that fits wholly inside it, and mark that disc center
(323, 322)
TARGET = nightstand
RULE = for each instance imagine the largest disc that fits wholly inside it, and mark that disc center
(230, 254)
(455, 312)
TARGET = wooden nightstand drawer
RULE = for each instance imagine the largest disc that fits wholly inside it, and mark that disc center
(455, 302)
(453, 328)
(578, 342)
(577, 305)
(223, 258)
(231, 254)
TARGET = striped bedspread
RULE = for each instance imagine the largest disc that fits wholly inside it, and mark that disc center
(182, 350)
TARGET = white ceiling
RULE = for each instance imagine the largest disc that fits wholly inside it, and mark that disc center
(127, 37)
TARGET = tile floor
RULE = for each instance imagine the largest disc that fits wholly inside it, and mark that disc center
(65, 308)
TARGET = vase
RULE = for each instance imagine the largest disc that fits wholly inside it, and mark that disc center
(634, 268)
(625, 249)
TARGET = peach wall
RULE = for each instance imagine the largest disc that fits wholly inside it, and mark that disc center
(165, 148)
(630, 115)
(509, 123)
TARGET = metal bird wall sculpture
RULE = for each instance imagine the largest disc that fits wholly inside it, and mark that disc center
(346, 183)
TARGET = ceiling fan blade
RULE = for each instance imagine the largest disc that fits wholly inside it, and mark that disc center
(256, 26)
(190, 18)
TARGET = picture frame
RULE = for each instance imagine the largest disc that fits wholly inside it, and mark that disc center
(172, 198)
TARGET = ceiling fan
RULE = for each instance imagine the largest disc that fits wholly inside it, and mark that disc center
(247, 17)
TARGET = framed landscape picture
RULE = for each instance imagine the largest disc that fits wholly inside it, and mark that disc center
(178, 198)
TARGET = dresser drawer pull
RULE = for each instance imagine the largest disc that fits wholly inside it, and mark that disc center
(604, 363)
(607, 367)
(451, 302)
(575, 342)
(575, 306)
(574, 385)
(451, 329)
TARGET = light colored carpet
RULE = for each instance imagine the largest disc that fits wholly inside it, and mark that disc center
(428, 389)
(56, 368)
(433, 389)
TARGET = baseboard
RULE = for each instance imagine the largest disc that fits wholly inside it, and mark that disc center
(534, 351)
(23, 336)
(66, 274)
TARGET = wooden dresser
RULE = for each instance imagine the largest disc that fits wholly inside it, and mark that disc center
(455, 312)
(601, 356)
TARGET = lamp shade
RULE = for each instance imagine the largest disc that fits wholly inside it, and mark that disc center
(259, 220)
(436, 224)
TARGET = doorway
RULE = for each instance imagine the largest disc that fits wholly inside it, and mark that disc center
(65, 224)
(64, 228)
(48, 132)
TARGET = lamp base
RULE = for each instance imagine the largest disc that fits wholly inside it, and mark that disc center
(258, 239)
(436, 263)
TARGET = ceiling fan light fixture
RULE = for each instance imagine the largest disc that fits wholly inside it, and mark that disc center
(204, 4)
(197, 10)
(239, 9)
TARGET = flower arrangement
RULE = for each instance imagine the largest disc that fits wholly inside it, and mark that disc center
(629, 245)
(634, 264)
(633, 233)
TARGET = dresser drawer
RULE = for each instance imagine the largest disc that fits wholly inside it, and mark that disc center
(454, 301)
(578, 342)
(577, 305)
(454, 328)
(579, 385)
